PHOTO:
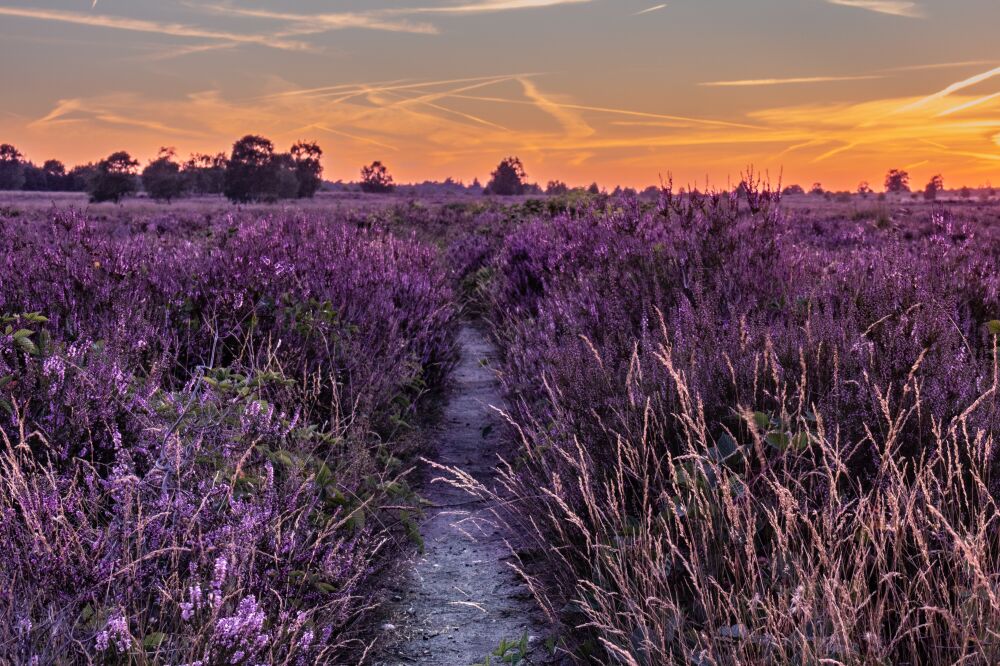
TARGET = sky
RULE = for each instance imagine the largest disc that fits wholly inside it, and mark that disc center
(622, 92)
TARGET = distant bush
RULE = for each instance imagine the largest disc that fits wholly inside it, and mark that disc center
(933, 188)
(254, 172)
(556, 188)
(897, 181)
(113, 179)
(206, 174)
(508, 179)
(11, 168)
(307, 168)
(162, 178)
(251, 171)
(376, 179)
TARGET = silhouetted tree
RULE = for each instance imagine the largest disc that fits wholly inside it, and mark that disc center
(50, 177)
(162, 178)
(206, 174)
(34, 178)
(817, 189)
(376, 178)
(113, 178)
(252, 170)
(286, 182)
(594, 189)
(55, 175)
(933, 187)
(965, 192)
(308, 169)
(79, 177)
(11, 168)
(556, 187)
(897, 181)
(864, 189)
(508, 179)
(792, 190)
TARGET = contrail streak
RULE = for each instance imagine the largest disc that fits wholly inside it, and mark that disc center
(953, 88)
(655, 8)
(968, 105)
(779, 82)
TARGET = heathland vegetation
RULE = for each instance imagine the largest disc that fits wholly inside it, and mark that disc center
(741, 430)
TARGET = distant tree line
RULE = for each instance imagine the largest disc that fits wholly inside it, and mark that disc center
(897, 182)
(18, 174)
(252, 172)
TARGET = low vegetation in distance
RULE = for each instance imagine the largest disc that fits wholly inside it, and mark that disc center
(254, 172)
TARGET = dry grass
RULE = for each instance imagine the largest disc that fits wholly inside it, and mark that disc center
(761, 557)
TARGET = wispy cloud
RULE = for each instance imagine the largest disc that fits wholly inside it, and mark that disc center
(953, 88)
(486, 6)
(73, 111)
(892, 7)
(968, 105)
(687, 120)
(789, 81)
(654, 8)
(389, 86)
(939, 65)
(570, 120)
(316, 23)
(151, 27)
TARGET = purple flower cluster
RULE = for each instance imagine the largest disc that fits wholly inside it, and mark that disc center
(691, 378)
(196, 417)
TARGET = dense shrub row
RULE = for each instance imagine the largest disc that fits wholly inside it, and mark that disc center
(200, 424)
(748, 437)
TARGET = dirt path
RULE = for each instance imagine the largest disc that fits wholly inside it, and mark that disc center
(461, 598)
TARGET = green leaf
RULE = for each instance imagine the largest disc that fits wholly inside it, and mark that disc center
(778, 440)
(36, 318)
(154, 640)
(27, 346)
(994, 327)
(761, 419)
(324, 476)
(357, 520)
(86, 613)
(285, 458)
(23, 333)
(725, 448)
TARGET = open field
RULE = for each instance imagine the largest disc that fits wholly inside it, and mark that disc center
(500, 333)
(734, 430)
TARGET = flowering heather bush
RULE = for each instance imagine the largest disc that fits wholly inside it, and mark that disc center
(751, 437)
(199, 430)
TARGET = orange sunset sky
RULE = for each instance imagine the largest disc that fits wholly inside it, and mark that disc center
(618, 91)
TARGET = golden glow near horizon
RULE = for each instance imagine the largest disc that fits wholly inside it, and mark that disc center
(617, 91)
